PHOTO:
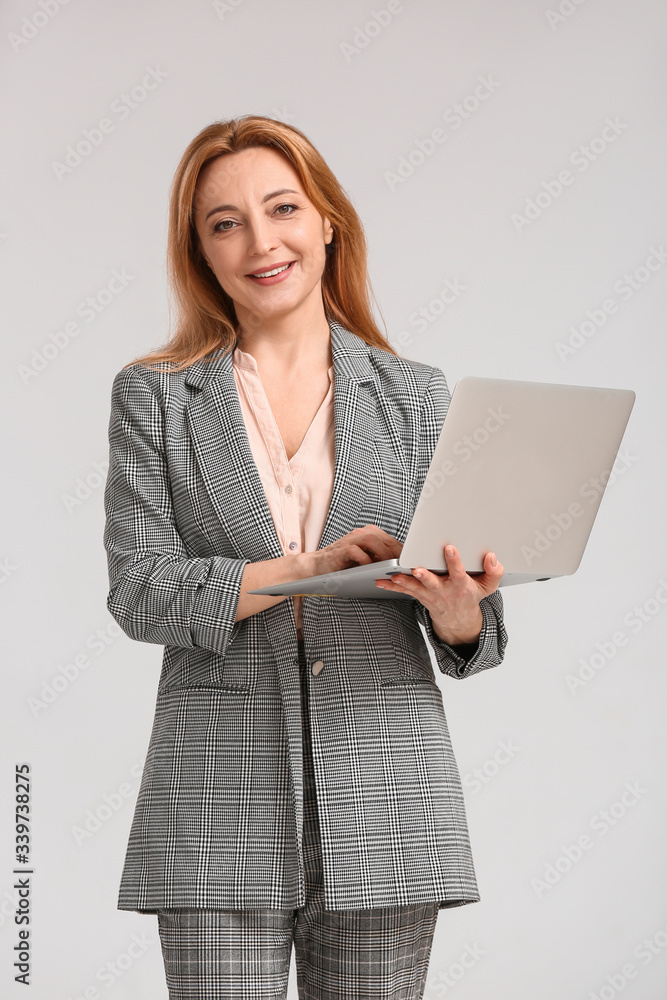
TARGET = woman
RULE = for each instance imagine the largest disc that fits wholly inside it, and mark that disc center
(300, 784)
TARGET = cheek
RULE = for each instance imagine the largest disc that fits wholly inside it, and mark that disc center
(225, 269)
(313, 261)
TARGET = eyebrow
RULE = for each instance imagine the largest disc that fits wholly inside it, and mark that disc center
(233, 208)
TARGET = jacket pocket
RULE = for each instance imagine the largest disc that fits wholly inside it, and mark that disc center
(199, 668)
(412, 656)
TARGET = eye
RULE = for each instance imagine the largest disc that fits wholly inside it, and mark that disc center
(221, 227)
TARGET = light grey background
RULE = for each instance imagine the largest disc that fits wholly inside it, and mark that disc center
(553, 82)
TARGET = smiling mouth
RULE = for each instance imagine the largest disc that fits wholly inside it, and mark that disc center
(273, 272)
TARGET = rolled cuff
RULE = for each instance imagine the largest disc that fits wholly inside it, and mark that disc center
(490, 647)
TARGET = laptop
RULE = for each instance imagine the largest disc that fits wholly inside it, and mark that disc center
(519, 469)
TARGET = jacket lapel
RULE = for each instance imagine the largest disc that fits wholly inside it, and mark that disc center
(227, 465)
(355, 430)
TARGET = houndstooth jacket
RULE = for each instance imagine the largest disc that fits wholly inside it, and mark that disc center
(219, 815)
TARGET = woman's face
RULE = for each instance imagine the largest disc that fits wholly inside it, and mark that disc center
(251, 215)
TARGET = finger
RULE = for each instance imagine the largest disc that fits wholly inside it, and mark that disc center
(399, 581)
(455, 567)
(426, 577)
(383, 534)
(393, 547)
(380, 549)
(357, 554)
(380, 533)
(492, 575)
(406, 580)
(492, 566)
(382, 537)
(365, 555)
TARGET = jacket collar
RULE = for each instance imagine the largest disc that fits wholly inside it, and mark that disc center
(227, 465)
(350, 357)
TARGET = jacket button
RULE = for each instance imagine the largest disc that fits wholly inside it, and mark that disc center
(317, 666)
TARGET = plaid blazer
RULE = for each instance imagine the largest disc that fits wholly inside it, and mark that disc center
(219, 815)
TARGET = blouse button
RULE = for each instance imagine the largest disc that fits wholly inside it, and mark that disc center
(292, 545)
(288, 489)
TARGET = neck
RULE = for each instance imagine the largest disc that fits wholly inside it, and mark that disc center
(289, 343)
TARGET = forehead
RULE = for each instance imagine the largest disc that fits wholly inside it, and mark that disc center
(252, 173)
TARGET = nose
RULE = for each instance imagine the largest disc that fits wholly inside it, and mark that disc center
(261, 236)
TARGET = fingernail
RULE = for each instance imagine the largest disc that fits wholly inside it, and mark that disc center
(449, 550)
(494, 561)
(418, 573)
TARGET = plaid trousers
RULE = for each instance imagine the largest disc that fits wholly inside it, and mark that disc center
(375, 954)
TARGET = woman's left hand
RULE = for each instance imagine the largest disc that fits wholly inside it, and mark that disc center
(452, 600)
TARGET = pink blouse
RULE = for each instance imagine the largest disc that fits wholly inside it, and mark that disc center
(298, 491)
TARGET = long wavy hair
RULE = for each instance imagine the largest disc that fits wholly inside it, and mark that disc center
(207, 320)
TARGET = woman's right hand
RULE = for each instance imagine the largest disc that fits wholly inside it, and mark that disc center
(359, 547)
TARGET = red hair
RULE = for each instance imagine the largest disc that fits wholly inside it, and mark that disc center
(206, 315)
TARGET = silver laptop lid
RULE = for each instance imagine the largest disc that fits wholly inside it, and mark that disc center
(532, 459)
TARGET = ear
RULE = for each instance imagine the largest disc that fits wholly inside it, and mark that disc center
(328, 230)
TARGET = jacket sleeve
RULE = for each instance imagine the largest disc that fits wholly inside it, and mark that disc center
(493, 638)
(157, 593)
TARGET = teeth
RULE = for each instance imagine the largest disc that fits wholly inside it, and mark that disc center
(269, 274)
